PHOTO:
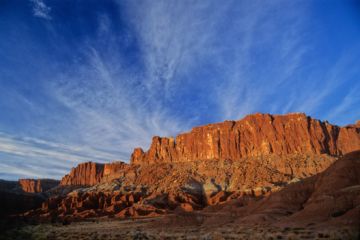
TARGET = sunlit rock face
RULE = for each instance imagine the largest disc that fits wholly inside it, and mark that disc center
(90, 173)
(246, 160)
(37, 185)
(254, 135)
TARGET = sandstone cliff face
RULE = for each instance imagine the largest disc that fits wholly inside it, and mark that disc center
(255, 135)
(90, 173)
(37, 185)
(244, 160)
(113, 170)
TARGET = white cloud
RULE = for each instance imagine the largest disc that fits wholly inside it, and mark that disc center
(319, 90)
(33, 147)
(264, 51)
(237, 56)
(40, 9)
(33, 157)
(20, 172)
(110, 106)
(114, 109)
(347, 105)
(174, 37)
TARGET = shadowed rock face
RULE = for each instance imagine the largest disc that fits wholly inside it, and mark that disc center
(23, 195)
(37, 185)
(12, 202)
(257, 134)
(90, 173)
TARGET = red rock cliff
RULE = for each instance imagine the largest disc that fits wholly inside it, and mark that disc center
(254, 135)
(37, 185)
(90, 173)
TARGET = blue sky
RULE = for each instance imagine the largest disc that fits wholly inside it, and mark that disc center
(91, 80)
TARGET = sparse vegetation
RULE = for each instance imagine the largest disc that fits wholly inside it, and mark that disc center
(144, 229)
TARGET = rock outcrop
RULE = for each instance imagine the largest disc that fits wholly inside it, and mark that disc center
(37, 185)
(184, 186)
(330, 198)
(82, 204)
(90, 173)
(254, 135)
(213, 166)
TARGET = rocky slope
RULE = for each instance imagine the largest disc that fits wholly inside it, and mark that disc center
(169, 187)
(323, 206)
(257, 134)
(330, 198)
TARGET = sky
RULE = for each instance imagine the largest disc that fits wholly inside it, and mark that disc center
(91, 80)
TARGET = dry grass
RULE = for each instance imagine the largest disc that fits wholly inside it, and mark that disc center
(140, 229)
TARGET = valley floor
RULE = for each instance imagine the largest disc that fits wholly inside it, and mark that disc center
(152, 228)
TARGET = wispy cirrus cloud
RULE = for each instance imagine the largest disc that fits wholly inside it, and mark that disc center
(174, 38)
(202, 48)
(109, 103)
(111, 79)
(40, 9)
(43, 158)
(347, 106)
(33, 147)
(326, 94)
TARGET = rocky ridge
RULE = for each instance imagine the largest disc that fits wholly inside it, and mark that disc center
(254, 135)
(241, 161)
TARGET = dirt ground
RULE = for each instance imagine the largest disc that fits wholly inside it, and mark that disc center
(153, 228)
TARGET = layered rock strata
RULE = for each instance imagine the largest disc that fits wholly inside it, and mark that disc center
(166, 187)
(254, 135)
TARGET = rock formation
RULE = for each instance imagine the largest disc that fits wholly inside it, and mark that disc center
(90, 173)
(37, 185)
(254, 135)
(184, 186)
(330, 198)
(23, 195)
(213, 166)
